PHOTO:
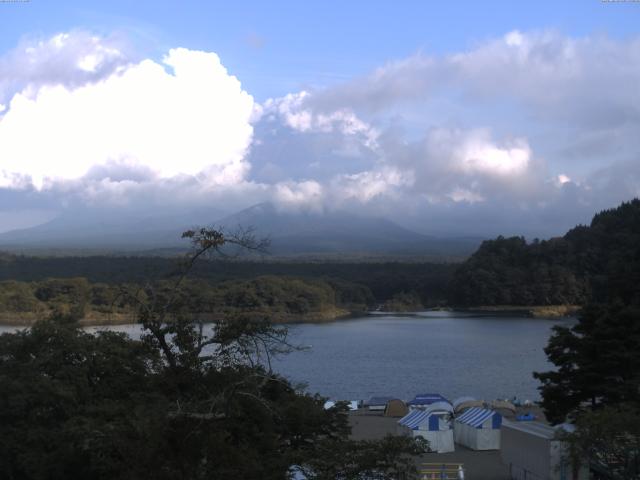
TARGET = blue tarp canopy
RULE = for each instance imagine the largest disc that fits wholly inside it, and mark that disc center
(475, 417)
(427, 399)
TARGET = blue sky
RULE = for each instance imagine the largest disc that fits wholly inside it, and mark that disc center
(276, 47)
(484, 118)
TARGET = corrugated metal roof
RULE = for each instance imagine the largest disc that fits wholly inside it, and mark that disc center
(476, 416)
(533, 428)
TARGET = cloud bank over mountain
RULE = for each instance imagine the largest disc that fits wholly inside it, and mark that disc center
(530, 132)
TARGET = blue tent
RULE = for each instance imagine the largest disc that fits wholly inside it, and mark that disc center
(423, 399)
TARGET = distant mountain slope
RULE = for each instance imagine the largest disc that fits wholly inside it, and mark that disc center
(291, 233)
(341, 232)
(599, 262)
(108, 230)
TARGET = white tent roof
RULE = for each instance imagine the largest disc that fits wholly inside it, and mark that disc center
(439, 407)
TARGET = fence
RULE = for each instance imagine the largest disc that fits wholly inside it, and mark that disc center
(442, 471)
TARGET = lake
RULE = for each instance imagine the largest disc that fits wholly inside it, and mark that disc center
(445, 352)
(451, 353)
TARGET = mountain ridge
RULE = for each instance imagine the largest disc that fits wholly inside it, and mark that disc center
(291, 232)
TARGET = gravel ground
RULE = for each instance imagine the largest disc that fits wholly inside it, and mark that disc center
(485, 465)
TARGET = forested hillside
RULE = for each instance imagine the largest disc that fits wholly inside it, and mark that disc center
(599, 262)
(276, 298)
(427, 281)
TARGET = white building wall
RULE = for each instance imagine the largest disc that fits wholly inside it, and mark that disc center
(526, 455)
(533, 457)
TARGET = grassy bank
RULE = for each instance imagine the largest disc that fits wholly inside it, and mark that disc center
(25, 319)
(535, 311)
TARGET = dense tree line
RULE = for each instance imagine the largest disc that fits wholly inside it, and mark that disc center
(599, 262)
(383, 279)
(279, 298)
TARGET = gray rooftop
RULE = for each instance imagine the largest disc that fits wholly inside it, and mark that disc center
(532, 428)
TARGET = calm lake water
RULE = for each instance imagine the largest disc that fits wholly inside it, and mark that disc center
(445, 352)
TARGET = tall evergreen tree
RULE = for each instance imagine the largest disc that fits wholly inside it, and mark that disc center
(597, 360)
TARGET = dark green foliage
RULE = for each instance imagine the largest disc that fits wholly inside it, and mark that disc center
(381, 279)
(69, 401)
(598, 359)
(599, 263)
(318, 288)
(75, 405)
(351, 295)
(280, 298)
(508, 271)
(185, 402)
(598, 362)
(287, 295)
(18, 297)
(609, 439)
(597, 380)
(403, 302)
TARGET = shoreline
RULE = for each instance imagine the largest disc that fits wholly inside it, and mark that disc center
(97, 319)
(534, 311)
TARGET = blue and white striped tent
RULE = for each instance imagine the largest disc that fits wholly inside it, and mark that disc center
(477, 416)
(478, 429)
(415, 418)
(433, 427)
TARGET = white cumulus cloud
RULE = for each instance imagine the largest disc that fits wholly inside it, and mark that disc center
(368, 185)
(538, 123)
(186, 115)
(293, 111)
(478, 154)
(306, 195)
(70, 58)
